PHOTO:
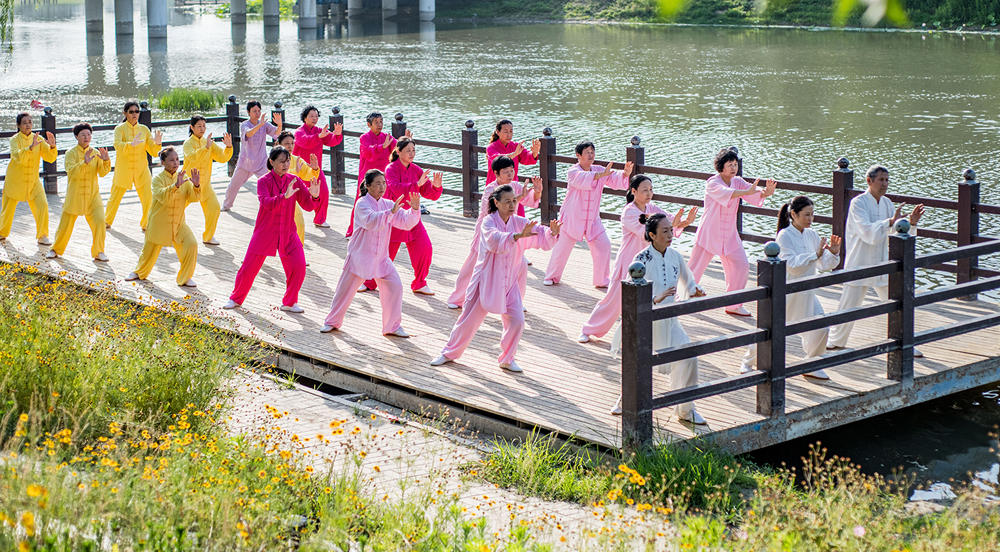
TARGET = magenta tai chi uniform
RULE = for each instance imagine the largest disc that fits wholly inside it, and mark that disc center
(308, 142)
(373, 156)
(496, 149)
(580, 215)
(275, 233)
(717, 234)
(494, 286)
(609, 308)
(457, 296)
(252, 161)
(402, 181)
(368, 258)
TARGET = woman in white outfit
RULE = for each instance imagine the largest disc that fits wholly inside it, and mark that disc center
(805, 254)
(672, 280)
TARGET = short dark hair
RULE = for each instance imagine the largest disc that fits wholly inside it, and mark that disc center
(873, 171)
(724, 156)
(651, 223)
(372, 116)
(306, 110)
(253, 103)
(82, 127)
(497, 193)
(21, 116)
(165, 152)
(128, 104)
(582, 146)
(194, 120)
(369, 178)
(500, 163)
(284, 134)
(276, 152)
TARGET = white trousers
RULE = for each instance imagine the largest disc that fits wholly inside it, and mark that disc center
(852, 297)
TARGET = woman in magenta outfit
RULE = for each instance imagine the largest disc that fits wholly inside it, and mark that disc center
(376, 148)
(274, 232)
(502, 143)
(309, 140)
(404, 177)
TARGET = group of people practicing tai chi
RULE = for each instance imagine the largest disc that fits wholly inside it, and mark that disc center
(386, 214)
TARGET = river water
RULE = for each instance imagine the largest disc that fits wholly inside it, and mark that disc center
(793, 101)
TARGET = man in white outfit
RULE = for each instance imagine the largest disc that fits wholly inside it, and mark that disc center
(870, 222)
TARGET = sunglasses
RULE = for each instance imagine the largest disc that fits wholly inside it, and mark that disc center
(132, 111)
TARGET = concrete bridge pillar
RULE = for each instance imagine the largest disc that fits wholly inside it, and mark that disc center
(272, 13)
(123, 17)
(307, 14)
(389, 8)
(355, 8)
(238, 12)
(94, 10)
(426, 10)
(156, 18)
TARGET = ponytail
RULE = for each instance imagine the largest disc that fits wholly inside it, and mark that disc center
(496, 132)
(400, 146)
(496, 195)
(652, 223)
(796, 205)
(369, 178)
(633, 184)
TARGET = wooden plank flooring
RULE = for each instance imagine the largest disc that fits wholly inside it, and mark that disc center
(566, 387)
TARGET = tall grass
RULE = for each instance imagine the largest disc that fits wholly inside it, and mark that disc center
(190, 100)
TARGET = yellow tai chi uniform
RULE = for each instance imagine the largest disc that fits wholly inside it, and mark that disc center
(131, 168)
(83, 198)
(167, 226)
(197, 156)
(302, 170)
(22, 183)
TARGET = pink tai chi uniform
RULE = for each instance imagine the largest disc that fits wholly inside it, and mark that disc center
(494, 286)
(457, 296)
(580, 215)
(373, 156)
(717, 234)
(252, 160)
(275, 233)
(368, 258)
(496, 149)
(308, 142)
(609, 308)
(402, 181)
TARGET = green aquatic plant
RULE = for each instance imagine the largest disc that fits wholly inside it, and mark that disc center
(190, 99)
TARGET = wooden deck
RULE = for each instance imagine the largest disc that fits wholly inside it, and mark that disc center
(566, 386)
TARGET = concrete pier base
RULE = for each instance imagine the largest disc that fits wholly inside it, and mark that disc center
(94, 10)
(123, 17)
(307, 14)
(156, 18)
(272, 13)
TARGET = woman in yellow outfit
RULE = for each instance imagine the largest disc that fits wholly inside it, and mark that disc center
(84, 165)
(132, 142)
(199, 153)
(301, 169)
(27, 149)
(172, 192)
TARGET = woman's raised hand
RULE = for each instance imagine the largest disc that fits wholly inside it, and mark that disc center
(291, 191)
(536, 146)
(437, 179)
(158, 137)
(555, 225)
(338, 129)
(669, 292)
(196, 177)
(396, 204)
(314, 187)
(325, 131)
(137, 140)
(414, 201)
(629, 167)
(388, 140)
(528, 230)
(607, 170)
(208, 142)
(408, 133)
(50, 139)
(822, 247)
(277, 118)
(88, 155)
(698, 292)
(771, 186)
(517, 150)
(34, 140)
(103, 154)
(423, 178)
(313, 162)
(536, 185)
(181, 179)
(835, 243)
(227, 139)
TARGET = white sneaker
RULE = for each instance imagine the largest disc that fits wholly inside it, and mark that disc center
(363, 288)
(211, 241)
(584, 338)
(101, 257)
(44, 240)
(131, 277)
(917, 353)
(190, 283)
(738, 312)
(454, 306)
(440, 361)
(746, 368)
(231, 305)
(426, 290)
(327, 328)
(324, 225)
(400, 332)
(51, 254)
(818, 374)
(548, 283)
(692, 417)
(512, 367)
(295, 309)
(616, 410)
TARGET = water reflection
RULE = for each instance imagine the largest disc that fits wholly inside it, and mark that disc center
(239, 34)
(271, 34)
(95, 43)
(124, 45)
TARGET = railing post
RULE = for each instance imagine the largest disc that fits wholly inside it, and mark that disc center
(902, 249)
(636, 154)
(968, 227)
(398, 126)
(771, 317)
(470, 162)
(146, 118)
(637, 361)
(49, 169)
(843, 183)
(337, 180)
(279, 111)
(739, 172)
(547, 171)
(233, 128)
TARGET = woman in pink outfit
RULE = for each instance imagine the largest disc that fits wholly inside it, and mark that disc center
(505, 168)
(404, 177)
(640, 202)
(274, 232)
(376, 147)
(368, 254)
(309, 140)
(502, 143)
(580, 215)
(717, 233)
(502, 241)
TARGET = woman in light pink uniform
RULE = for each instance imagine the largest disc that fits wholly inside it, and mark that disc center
(717, 233)
(640, 202)
(502, 241)
(505, 169)
(368, 253)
